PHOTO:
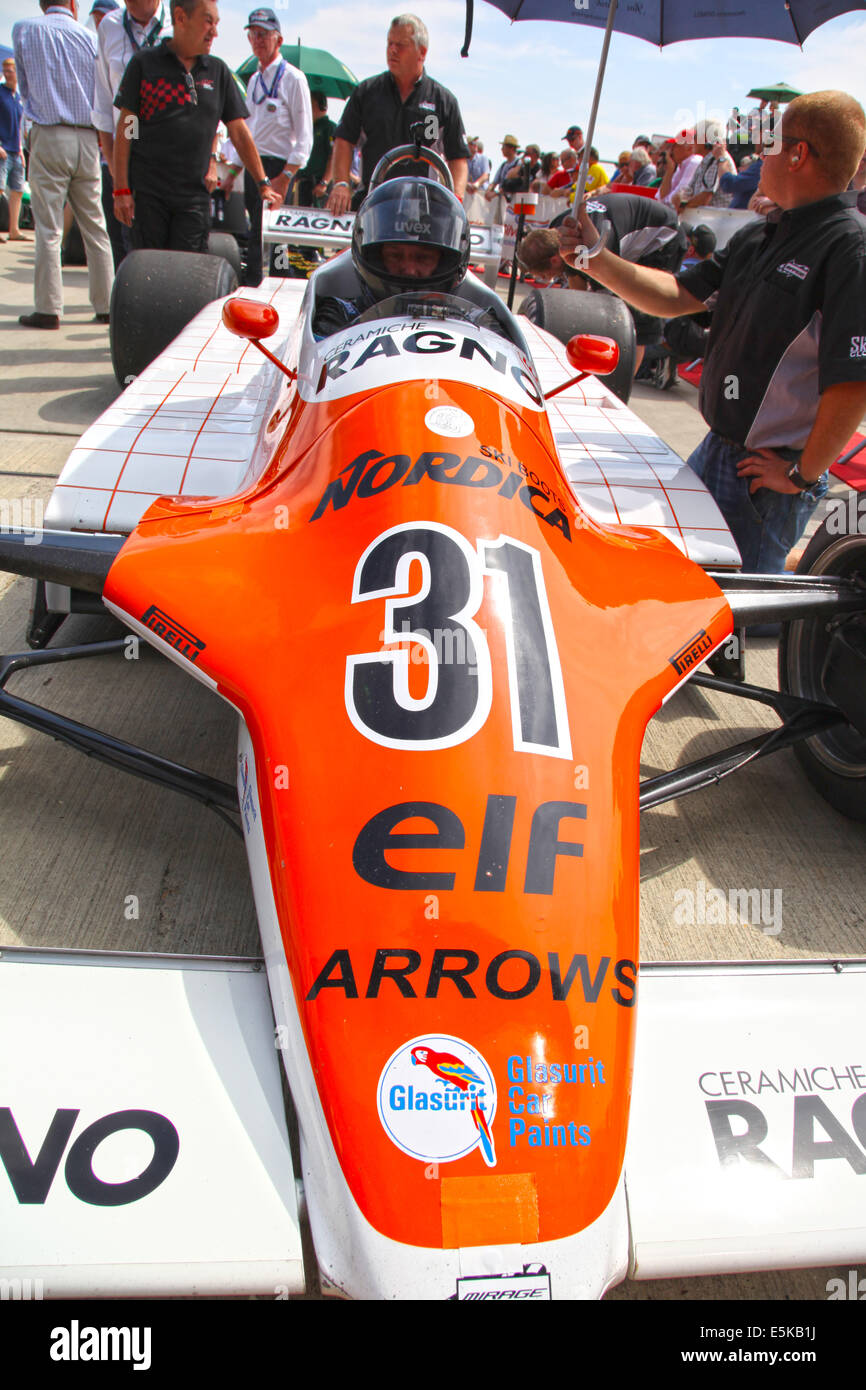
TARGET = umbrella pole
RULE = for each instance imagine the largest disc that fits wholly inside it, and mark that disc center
(580, 188)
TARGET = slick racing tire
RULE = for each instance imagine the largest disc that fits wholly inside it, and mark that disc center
(563, 313)
(223, 244)
(834, 761)
(155, 295)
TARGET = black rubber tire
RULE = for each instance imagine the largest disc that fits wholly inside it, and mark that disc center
(563, 313)
(155, 295)
(4, 213)
(223, 244)
(835, 761)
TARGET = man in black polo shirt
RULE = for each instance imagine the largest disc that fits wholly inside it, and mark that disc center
(171, 100)
(784, 382)
(385, 108)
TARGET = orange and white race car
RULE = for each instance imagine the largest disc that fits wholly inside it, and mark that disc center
(431, 550)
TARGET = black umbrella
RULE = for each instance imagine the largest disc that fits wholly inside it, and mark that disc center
(671, 21)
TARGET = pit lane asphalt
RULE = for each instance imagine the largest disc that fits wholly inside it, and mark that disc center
(94, 859)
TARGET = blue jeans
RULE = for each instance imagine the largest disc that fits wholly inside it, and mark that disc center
(765, 524)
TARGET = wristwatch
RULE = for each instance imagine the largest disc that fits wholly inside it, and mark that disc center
(796, 477)
(264, 183)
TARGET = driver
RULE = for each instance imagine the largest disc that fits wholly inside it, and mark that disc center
(407, 230)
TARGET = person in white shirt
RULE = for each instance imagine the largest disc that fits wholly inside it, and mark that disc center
(140, 24)
(280, 122)
(682, 165)
(55, 57)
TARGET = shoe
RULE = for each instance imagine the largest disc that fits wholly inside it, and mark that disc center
(102, 318)
(668, 374)
(38, 320)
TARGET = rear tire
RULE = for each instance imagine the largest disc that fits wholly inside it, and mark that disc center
(155, 295)
(223, 244)
(563, 313)
(834, 761)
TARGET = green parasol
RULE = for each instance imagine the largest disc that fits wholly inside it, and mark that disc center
(779, 91)
(324, 72)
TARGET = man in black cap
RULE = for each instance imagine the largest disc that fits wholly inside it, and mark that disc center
(385, 108)
(280, 122)
(171, 101)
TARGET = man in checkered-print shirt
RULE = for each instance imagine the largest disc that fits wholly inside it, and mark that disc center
(171, 100)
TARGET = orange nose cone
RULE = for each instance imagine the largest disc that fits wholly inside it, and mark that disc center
(588, 353)
(247, 318)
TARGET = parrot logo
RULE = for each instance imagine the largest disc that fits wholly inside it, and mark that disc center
(452, 1072)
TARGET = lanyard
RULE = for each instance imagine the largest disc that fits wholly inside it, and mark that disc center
(269, 95)
(150, 37)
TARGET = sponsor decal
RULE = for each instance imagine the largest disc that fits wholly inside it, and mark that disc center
(448, 420)
(246, 793)
(304, 222)
(437, 1099)
(523, 1073)
(399, 351)
(413, 226)
(511, 974)
(532, 1283)
(31, 1181)
(858, 346)
(776, 1136)
(373, 471)
(692, 654)
(794, 268)
(174, 633)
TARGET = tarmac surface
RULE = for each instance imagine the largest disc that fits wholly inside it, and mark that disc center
(81, 841)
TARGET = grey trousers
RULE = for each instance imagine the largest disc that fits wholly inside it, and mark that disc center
(64, 166)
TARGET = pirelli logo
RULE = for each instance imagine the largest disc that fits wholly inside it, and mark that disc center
(692, 654)
(173, 633)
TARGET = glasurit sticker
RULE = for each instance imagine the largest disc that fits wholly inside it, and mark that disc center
(437, 1099)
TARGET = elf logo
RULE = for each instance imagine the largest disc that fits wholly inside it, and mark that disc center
(32, 1178)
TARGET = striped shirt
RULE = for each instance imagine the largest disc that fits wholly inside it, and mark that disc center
(56, 58)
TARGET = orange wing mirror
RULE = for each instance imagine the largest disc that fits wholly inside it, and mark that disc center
(591, 355)
(587, 353)
(248, 318)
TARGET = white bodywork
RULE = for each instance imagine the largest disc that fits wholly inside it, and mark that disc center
(191, 425)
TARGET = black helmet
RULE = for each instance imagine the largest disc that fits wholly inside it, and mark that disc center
(419, 212)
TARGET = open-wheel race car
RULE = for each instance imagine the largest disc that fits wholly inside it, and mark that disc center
(445, 577)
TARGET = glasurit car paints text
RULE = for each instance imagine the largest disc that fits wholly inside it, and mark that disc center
(77, 1343)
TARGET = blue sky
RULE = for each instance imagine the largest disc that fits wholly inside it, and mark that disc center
(534, 80)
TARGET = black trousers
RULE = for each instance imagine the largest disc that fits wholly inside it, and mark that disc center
(253, 202)
(164, 223)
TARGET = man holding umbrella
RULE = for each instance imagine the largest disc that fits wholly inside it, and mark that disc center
(784, 383)
(280, 122)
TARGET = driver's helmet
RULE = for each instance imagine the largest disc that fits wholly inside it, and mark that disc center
(419, 212)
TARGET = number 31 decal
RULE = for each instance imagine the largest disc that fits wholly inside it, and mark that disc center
(438, 618)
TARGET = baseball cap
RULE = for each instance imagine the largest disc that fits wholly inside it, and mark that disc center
(103, 6)
(641, 140)
(264, 19)
(682, 137)
(572, 130)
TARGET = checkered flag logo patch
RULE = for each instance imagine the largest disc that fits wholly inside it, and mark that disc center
(160, 95)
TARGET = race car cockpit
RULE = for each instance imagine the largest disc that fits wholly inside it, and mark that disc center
(410, 256)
